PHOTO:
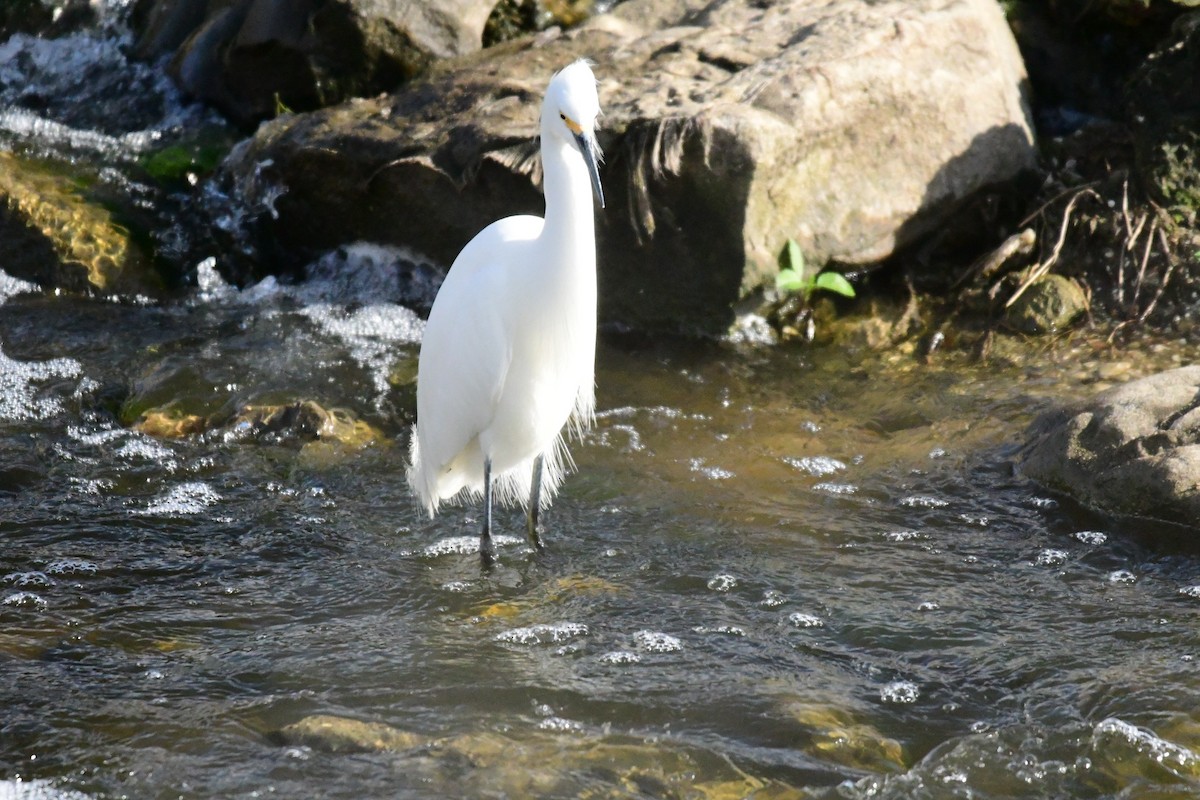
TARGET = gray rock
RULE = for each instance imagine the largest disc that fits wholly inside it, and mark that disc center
(729, 126)
(249, 57)
(1134, 449)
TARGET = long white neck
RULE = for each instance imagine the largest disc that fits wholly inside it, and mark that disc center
(570, 227)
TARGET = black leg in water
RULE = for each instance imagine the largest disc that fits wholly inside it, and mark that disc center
(486, 554)
(535, 491)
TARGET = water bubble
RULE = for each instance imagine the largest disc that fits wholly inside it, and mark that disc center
(560, 725)
(923, 501)
(726, 630)
(802, 620)
(901, 536)
(456, 586)
(899, 692)
(25, 600)
(656, 642)
(466, 545)
(71, 566)
(836, 488)
(712, 473)
(1090, 537)
(184, 499)
(19, 394)
(27, 579)
(543, 633)
(809, 426)
(1051, 558)
(772, 598)
(722, 583)
(1122, 576)
(621, 657)
(1179, 760)
(929, 605)
(817, 466)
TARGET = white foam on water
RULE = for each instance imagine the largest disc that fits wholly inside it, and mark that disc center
(20, 789)
(656, 642)
(1051, 557)
(723, 630)
(185, 499)
(712, 473)
(723, 582)
(10, 286)
(1090, 537)
(19, 396)
(23, 579)
(803, 620)
(552, 633)
(1191, 591)
(465, 545)
(621, 657)
(772, 598)
(1122, 576)
(923, 501)
(817, 466)
(71, 566)
(836, 488)
(901, 536)
(901, 692)
(560, 725)
(25, 600)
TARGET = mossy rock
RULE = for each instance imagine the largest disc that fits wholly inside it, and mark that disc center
(1052, 303)
(59, 239)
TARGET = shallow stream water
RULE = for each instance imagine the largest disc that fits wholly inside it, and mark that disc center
(776, 573)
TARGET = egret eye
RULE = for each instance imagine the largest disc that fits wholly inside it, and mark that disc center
(562, 116)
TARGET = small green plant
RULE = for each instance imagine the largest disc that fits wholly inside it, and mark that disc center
(792, 279)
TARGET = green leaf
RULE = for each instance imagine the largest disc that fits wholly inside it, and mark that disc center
(835, 282)
(789, 281)
(792, 258)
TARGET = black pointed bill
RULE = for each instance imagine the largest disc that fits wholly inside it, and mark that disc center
(587, 146)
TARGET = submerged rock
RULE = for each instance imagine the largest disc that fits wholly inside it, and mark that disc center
(1133, 449)
(729, 127)
(254, 58)
(342, 735)
(305, 420)
(56, 237)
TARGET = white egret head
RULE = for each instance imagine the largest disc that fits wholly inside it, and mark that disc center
(569, 115)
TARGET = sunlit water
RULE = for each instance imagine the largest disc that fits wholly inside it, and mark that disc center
(777, 573)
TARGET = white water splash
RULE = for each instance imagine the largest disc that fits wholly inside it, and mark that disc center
(19, 393)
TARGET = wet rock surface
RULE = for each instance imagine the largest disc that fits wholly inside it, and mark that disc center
(1133, 449)
(728, 128)
(334, 734)
(53, 235)
(252, 58)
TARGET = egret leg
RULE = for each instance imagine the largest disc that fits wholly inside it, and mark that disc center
(535, 491)
(486, 554)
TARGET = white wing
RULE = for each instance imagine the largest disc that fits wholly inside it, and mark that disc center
(464, 360)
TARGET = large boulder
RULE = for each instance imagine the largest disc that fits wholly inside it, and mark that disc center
(730, 126)
(250, 58)
(1134, 449)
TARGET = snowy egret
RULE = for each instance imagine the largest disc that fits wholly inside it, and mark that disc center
(508, 355)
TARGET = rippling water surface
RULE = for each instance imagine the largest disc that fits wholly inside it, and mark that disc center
(791, 573)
